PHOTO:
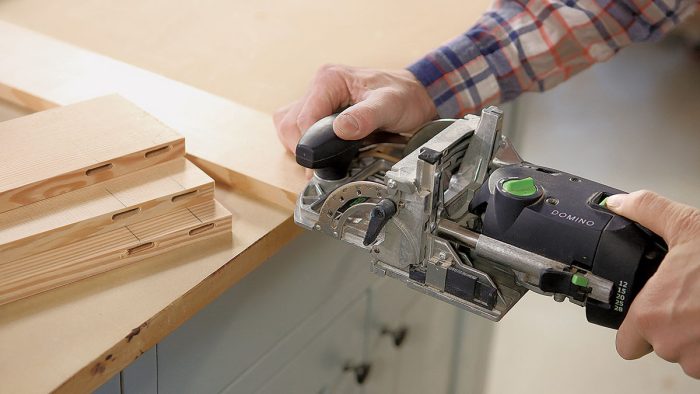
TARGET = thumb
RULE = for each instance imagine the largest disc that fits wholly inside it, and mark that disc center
(361, 119)
(666, 218)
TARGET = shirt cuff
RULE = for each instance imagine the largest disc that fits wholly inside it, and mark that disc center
(458, 78)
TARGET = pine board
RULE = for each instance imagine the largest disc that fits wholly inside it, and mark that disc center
(103, 252)
(117, 202)
(44, 155)
(239, 139)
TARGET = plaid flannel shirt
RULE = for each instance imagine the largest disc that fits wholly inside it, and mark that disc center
(521, 46)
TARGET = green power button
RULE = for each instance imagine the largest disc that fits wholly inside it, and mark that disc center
(579, 280)
(520, 187)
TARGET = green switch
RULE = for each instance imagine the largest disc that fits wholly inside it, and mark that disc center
(603, 202)
(520, 187)
(579, 280)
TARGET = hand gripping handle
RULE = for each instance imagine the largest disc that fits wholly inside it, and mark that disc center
(321, 149)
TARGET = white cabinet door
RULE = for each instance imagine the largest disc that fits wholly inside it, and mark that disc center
(112, 386)
(426, 359)
(141, 376)
(323, 366)
(228, 337)
(389, 302)
(424, 363)
(474, 340)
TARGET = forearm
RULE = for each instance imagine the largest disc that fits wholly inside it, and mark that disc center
(521, 46)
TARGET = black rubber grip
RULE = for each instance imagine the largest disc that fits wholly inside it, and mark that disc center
(321, 149)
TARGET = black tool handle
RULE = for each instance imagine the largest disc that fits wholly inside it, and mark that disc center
(322, 150)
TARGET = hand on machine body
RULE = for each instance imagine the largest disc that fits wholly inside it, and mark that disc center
(665, 316)
(392, 100)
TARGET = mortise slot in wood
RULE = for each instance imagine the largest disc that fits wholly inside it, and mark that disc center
(140, 248)
(95, 170)
(157, 151)
(184, 195)
(201, 229)
(126, 214)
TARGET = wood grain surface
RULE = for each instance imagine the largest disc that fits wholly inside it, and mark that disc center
(117, 202)
(112, 249)
(260, 54)
(64, 149)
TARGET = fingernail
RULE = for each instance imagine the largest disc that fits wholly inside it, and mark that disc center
(347, 125)
(614, 201)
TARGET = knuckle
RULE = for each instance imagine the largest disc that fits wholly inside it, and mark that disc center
(646, 319)
(693, 370)
(365, 118)
(304, 121)
(329, 70)
(286, 126)
(693, 373)
(326, 66)
(644, 198)
(650, 322)
(666, 351)
(277, 116)
(688, 221)
(690, 362)
(392, 97)
(621, 349)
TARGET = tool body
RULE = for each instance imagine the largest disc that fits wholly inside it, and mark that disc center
(455, 213)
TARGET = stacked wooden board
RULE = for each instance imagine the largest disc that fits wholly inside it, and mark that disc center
(91, 187)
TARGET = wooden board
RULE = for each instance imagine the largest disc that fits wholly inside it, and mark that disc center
(105, 206)
(39, 72)
(98, 327)
(109, 250)
(44, 154)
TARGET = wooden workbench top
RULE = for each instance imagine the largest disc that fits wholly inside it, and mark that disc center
(78, 336)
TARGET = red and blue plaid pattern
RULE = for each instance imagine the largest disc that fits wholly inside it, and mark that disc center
(521, 46)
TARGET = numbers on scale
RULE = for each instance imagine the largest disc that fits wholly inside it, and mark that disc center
(620, 296)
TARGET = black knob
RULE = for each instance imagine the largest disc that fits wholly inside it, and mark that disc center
(361, 371)
(380, 215)
(398, 336)
(320, 149)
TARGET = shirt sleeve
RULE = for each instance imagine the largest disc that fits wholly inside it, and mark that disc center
(521, 46)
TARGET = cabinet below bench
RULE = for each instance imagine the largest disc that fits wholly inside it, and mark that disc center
(314, 319)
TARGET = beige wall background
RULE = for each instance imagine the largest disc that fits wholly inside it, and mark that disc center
(263, 53)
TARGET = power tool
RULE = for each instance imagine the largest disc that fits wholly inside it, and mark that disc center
(454, 212)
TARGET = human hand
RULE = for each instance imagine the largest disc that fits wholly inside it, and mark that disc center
(392, 100)
(665, 315)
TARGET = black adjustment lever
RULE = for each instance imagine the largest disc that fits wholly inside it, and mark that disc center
(320, 149)
(380, 215)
